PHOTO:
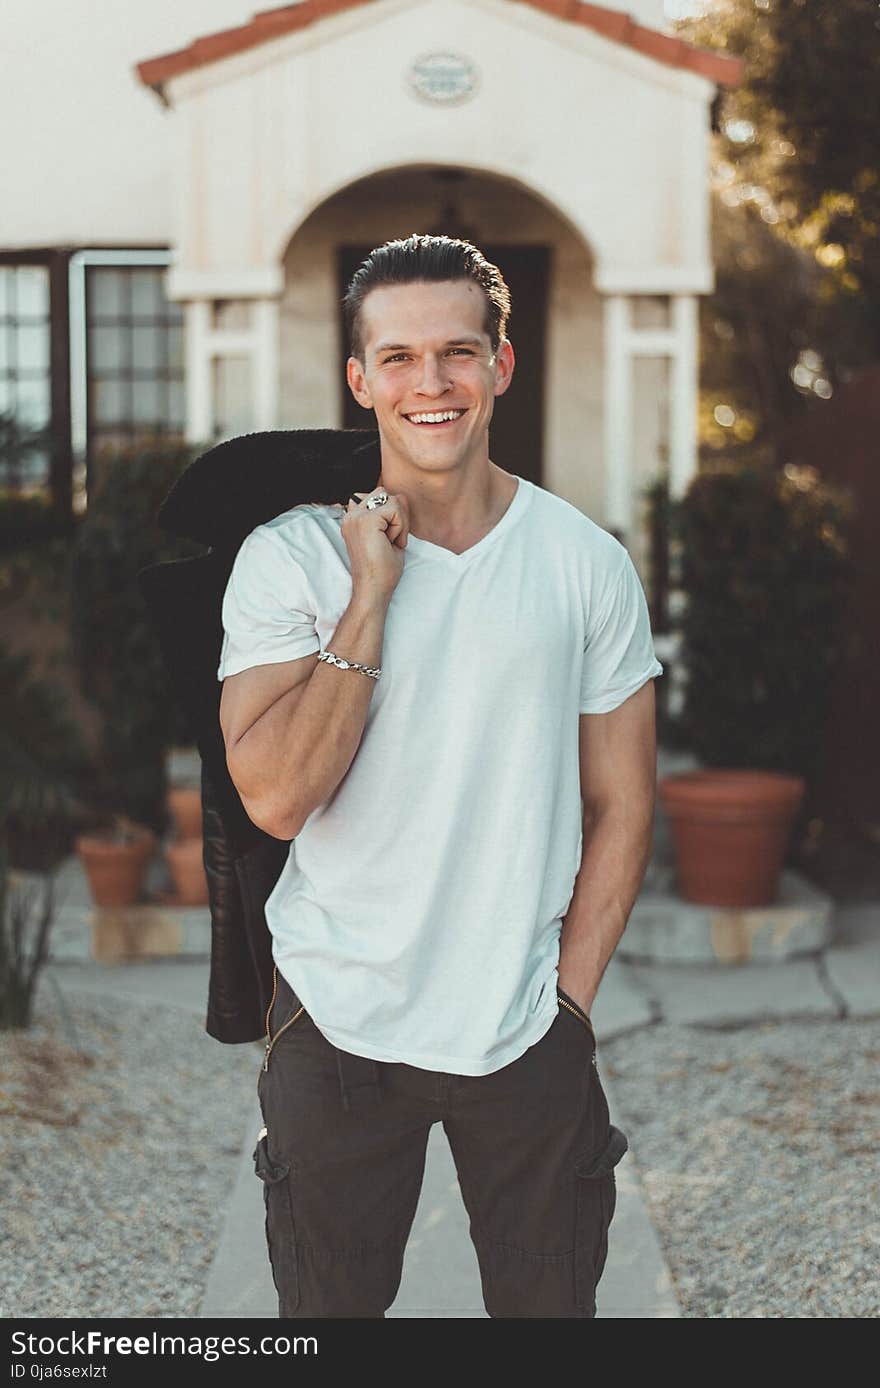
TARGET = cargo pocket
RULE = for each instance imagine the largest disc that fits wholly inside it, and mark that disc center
(280, 1228)
(596, 1202)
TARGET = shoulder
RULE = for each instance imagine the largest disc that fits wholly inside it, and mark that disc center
(592, 542)
(283, 553)
(308, 518)
(301, 532)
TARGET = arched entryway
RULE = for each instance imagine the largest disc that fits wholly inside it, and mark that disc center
(555, 325)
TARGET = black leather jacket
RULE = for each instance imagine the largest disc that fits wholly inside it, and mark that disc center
(218, 500)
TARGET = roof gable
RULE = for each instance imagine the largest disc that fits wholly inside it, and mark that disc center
(271, 24)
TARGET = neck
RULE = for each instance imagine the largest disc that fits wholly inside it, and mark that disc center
(448, 507)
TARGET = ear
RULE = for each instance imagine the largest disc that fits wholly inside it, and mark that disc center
(504, 364)
(354, 374)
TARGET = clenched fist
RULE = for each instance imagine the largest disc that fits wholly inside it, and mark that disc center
(375, 541)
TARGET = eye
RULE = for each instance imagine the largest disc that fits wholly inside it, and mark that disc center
(467, 351)
(398, 356)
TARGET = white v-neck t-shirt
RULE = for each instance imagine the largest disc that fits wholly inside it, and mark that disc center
(418, 915)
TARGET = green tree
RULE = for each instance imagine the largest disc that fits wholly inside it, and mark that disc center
(796, 211)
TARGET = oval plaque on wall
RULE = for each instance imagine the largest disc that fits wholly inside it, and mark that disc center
(443, 78)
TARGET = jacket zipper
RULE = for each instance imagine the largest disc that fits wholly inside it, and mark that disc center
(270, 1040)
(581, 1018)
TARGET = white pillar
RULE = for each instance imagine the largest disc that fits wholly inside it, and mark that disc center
(266, 362)
(683, 423)
(259, 342)
(197, 359)
(683, 393)
(617, 405)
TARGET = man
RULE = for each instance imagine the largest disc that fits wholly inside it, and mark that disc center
(442, 694)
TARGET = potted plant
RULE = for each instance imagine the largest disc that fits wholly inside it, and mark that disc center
(765, 574)
(120, 665)
(115, 860)
(183, 771)
(185, 858)
(184, 851)
(185, 807)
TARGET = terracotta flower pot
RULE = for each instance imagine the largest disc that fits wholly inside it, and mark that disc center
(185, 805)
(730, 829)
(115, 863)
(187, 869)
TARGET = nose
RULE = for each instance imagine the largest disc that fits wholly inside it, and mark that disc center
(432, 381)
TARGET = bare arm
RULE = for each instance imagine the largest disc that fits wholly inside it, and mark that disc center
(292, 729)
(618, 767)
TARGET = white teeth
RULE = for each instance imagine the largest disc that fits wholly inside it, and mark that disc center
(434, 418)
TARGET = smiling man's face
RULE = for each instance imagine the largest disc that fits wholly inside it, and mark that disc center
(429, 373)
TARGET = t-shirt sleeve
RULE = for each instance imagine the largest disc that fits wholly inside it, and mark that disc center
(618, 650)
(268, 610)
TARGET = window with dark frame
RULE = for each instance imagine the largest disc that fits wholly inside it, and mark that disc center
(134, 357)
(25, 372)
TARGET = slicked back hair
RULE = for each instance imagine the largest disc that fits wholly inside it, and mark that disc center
(433, 258)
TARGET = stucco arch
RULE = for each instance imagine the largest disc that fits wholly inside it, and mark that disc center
(363, 172)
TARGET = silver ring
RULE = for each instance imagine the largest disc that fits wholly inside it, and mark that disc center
(377, 499)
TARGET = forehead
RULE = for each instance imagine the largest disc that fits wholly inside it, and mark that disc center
(423, 313)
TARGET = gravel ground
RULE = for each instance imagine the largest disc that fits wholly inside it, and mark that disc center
(113, 1167)
(757, 1150)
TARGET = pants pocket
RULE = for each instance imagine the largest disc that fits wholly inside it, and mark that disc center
(596, 1203)
(569, 1006)
(280, 1226)
(285, 1010)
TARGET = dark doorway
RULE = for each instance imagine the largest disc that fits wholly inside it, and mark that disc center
(516, 434)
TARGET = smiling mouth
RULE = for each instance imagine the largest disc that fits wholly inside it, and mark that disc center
(434, 419)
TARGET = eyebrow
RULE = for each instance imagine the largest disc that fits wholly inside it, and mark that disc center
(453, 342)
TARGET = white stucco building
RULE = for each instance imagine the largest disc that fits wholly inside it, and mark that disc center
(190, 200)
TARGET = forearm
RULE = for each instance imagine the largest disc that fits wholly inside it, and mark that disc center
(616, 851)
(299, 750)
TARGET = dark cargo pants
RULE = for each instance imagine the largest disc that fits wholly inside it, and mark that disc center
(342, 1156)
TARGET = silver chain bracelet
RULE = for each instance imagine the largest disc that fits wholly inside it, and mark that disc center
(374, 671)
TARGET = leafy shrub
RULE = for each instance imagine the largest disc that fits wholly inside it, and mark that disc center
(117, 654)
(26, 913)
(25, 520)
(41, 761)
(43, 765)
(19, 446)
(767, 575)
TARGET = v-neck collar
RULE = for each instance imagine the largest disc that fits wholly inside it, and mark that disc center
(428, 550)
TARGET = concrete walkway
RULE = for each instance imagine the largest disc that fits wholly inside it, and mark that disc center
(440, 1274)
